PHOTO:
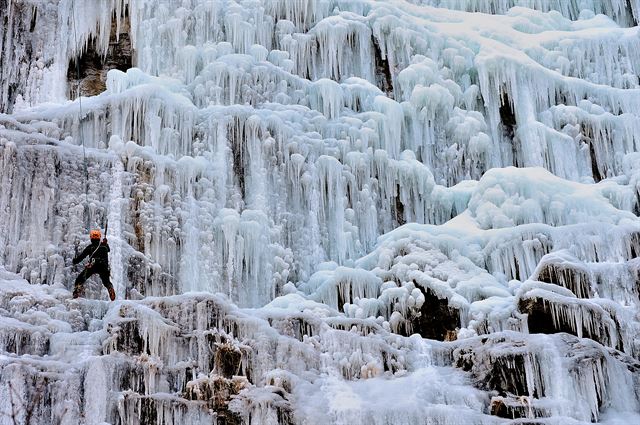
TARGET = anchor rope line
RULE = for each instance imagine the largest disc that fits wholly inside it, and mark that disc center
(80, 129)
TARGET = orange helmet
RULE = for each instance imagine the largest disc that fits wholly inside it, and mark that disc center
(94, 234)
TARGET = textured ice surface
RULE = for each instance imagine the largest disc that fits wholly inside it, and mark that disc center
(331, 211)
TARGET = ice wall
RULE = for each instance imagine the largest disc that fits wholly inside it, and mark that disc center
(348, 174)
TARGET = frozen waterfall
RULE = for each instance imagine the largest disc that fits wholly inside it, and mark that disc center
(358, 212)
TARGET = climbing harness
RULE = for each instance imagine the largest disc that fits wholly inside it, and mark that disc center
(91, 259)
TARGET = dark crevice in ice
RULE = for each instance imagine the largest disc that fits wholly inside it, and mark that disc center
(540, 318)
(384, 79)
(437, 320)
(508, 122)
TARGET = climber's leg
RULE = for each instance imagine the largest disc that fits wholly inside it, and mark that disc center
(78, 286)
(104, 276)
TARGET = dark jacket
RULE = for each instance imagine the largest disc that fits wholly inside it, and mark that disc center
(98, 253)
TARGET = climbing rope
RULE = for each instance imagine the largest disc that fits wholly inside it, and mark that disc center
(84, 152)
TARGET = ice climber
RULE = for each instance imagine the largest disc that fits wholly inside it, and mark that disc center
(98, 253)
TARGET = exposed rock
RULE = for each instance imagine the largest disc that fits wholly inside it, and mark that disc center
(383, 72)
(89, 71)
(156, 410)
(497, 370)
(509, 124)
(297, 327)
(227, 359)
(574, 279)
(513, 368)
(437, 320)
(217, 392)
(266, 404)
(516, 408)
(127, 338)
(581, 319)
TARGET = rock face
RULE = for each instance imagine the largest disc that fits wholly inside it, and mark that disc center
(436, 319)
(319, 212)
(87, 74)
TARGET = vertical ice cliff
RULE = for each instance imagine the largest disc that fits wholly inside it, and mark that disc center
(321, 211)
